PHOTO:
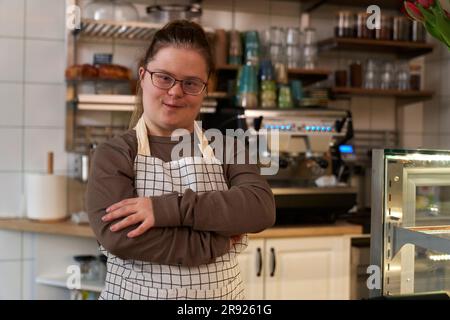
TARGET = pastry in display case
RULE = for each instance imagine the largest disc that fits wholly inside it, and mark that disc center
(410, 223)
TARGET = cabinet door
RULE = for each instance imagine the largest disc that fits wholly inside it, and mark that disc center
(251, 264)
(308, 268)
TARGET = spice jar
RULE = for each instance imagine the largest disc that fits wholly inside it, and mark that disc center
(401, 29)
(344, 24)
(415, 77)
(356, 74)
(418, 31)
(362, 31)
(340, 78)
(385, 30)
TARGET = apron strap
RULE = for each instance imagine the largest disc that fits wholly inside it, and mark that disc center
(142, 137)
(205, 149)
(144, 145)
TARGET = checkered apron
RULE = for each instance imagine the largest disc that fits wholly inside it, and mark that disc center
(133, 279)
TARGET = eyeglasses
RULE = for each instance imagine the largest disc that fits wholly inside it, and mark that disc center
(165, 81)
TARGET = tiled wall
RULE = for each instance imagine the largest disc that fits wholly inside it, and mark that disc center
(32, 119)
(32, 93)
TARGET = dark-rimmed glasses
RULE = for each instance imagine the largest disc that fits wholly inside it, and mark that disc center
(162, 80)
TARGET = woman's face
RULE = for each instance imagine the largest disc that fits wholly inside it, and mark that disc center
(168, 109)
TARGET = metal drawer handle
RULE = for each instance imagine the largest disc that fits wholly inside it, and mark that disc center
(258, 273)
(274, 262)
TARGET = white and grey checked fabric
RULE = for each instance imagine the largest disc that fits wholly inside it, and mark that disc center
(132, 279)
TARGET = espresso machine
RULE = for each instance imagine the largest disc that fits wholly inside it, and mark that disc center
(314, 154)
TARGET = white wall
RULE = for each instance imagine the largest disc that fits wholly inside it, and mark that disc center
(32, 118)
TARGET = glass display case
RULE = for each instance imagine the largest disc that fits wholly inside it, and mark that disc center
(410, 223)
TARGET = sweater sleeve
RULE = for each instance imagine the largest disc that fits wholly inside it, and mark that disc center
(111, 180)
(248, 206)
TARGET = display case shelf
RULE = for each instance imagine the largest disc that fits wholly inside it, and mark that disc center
(402, 49)
(432, 238)
(61, 281)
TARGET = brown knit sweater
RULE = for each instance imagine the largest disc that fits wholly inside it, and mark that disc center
(190, 229)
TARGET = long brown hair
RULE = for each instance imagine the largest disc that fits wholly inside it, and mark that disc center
(178, 34)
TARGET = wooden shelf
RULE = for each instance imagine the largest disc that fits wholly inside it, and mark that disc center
(384, 4)
(406, 95)
(402, 49)
(307, 76)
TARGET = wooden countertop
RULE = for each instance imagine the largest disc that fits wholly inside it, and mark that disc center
(68, 228)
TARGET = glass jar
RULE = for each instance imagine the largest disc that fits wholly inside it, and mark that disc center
(284, 96)
(293, 36)
(296, 92)
(387, 76)
(371, 76)
(415, 77)
(247, 87)
(277, 54)
(235, 48)
(277, 35)
(401, 29)
(268, 94)
(344, 24)
(251, 47)
(293, 56)
(356, 74)
(340, 78)
(403, 76)
(309, 54)
(268, 88)
(418, 32)
(361, 26)
(385, 30)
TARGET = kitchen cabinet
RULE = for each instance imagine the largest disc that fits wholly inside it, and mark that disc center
(297, 268)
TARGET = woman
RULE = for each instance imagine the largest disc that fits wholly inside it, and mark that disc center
(172, 229)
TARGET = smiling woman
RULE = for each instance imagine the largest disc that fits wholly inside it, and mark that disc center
(172, 229)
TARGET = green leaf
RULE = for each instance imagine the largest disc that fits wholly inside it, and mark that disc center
(429, 16)
(431, 30)
(442, 23)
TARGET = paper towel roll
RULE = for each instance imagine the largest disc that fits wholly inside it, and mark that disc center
(46, 197)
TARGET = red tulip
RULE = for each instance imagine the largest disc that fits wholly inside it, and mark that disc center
(426, 3)
(413, 11)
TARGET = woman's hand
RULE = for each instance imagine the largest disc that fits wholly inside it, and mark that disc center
(135, 210)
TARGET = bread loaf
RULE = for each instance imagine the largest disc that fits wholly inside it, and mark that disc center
(103, 71)
(84, 71)
(113, 71)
